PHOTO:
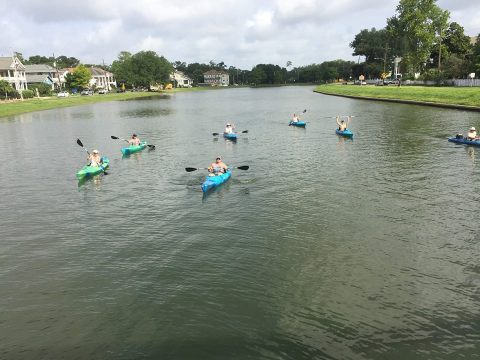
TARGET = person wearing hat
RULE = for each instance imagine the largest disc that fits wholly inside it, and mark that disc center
(134, 141)
(229, 128)
(94, 159)
(218, 167)
(472, 134)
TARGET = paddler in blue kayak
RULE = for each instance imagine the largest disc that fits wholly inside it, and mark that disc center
(342, 124)
(472, 134)
(134, 141)
(94, 159)
(229, 128)
(218, 167)
(295, 118)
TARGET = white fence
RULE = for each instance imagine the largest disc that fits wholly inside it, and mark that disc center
(453, 82)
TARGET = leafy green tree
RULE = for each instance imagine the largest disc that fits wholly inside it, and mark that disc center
(79, 78)
(258, 75)
(149, 68)
(123, 69)
(417, 24)
(456, 41)
(43, 89)
(6, 89)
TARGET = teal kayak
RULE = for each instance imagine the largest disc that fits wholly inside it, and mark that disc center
(88, 171)
(345, 133)
(134, 148)
(214, 181)
(297, 123)
(231, 136)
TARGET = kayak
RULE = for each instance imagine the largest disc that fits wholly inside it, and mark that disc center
(298, 123)
(213, 181)
(462, 140)
(88, 171)
(232, 136)
(346, 133)
(134, 148)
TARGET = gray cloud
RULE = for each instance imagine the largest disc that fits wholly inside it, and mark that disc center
(241, 34)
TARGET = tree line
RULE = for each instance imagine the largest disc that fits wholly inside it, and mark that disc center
(421, 34)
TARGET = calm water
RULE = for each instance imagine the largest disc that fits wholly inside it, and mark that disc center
(325, 249)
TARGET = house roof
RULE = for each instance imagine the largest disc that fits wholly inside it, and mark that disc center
(39, 79)
(96, 71)
(215, 72)
(39, 68)
(7, 62)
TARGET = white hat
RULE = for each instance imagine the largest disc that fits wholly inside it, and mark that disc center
(95, 151)
(228, 124)
(472, 129)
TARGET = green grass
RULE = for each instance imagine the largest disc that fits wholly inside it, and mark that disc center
(20, 107)
(439, 95)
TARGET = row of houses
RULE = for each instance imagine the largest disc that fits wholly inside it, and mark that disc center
(20, 76)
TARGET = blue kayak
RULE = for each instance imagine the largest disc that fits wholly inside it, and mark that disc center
(346, 133)
(462, 140)
(298, 123)
(232, 136)
(89, 171)
(213, 181)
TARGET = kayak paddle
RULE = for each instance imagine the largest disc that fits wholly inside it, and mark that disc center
(243, 132)
(100, 166)
(118, 138)
(243, 167)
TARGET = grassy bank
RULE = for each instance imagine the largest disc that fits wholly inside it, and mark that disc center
(423, 94)
(20, 107)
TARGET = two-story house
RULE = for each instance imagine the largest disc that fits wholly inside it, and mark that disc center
(13, 71)
(102, 79)
(179, 79)
(216, 78)
(41, 73)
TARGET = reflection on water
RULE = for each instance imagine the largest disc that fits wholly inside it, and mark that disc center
(142, 113)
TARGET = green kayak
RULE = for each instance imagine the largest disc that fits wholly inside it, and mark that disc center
(89, 171)
(134, 148)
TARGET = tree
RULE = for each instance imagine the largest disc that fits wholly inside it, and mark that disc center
(416, 25)
(6, 90)
(149, 68)
(456, 41)
(122, 68)
(79, 78)
(372, 44)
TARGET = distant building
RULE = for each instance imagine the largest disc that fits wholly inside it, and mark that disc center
(41, 73)
(102, 79)
(13, 71)
(180, 79)
(216, 78)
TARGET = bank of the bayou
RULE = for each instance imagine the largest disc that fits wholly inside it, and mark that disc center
(448, 97)
(11, 108)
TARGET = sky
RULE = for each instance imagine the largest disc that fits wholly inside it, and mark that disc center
(241, 33)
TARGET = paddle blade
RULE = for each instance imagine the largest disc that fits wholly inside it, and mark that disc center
(245, 132)
(304, 111)
(244, 167)
(215, 134)
(114, 137)
(151, 146)
(190, 169)
(79, 142)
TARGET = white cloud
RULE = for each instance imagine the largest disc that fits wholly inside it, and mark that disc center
(241, 34)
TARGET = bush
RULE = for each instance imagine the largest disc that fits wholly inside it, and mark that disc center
(43, 89)
(27, 94)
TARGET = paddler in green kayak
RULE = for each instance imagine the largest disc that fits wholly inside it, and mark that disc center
(134, 141)
(217, 168)
(94, 159)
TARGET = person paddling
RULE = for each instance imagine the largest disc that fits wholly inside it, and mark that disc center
(94, 159)
(472, 134)
(342, 124)
(229, 128)
(134, 141)
(295, 118)
(218, 167)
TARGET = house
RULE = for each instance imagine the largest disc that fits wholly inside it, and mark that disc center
(13, 71)
(42, 73)
(216, 78)
(179, 79)
(102, 79)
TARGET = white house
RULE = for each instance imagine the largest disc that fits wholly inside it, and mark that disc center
(216, 78)
(13, 71)
(102, 79)
(179, 79)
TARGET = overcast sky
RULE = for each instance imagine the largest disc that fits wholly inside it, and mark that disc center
(240, 33)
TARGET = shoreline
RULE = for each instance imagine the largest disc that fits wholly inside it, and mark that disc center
(17, 107)
(359, 96)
